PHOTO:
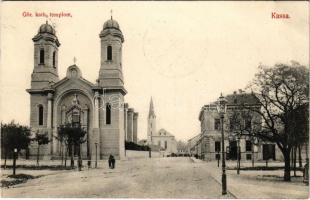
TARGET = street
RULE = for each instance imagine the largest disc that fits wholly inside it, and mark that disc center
(139, 178)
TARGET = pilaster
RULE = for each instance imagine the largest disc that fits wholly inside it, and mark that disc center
(135, 127)
(125, 119)
(52, 144)
(130, 125)
(95, 138)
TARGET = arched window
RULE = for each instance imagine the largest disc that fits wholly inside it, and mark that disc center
(109, 52)
(54, 59)
(42, 56)
(40, 115)
(108, 116)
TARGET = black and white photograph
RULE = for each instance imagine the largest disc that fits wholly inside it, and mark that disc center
(154, 99)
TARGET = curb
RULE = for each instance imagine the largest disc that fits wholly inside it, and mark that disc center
(215, 178)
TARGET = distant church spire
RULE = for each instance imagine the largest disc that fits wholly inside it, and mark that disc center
(151, 123)
(151, 110)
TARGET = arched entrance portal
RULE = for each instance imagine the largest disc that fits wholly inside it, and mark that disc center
(74, 109)
(76, 116)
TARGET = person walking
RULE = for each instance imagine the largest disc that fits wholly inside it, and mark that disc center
(113, 162)
(110, 161)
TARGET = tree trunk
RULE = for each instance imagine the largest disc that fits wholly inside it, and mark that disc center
(253, 155)
(306, 146)
(287, 166)
(38, 154)
(299, 156)
(79, 159)
(72, 155)
(292, 157)
(62, 153)
(66, 152)
(27, 153)
(14, 162)
(295, 154)
(5, 157)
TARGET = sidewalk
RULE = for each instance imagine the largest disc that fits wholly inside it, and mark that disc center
(258, 184)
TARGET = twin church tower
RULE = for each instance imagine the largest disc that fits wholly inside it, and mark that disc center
(98, 108)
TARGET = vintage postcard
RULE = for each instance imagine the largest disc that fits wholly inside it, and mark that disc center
(154, 99)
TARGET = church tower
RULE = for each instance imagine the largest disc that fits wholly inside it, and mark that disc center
(46, 46)
(111, 82)
(151, 126)
(111, 74)
(44, 75)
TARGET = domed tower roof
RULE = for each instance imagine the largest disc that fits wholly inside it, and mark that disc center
(47, 28)
(111, 23)
(111, 27)
(50, 36)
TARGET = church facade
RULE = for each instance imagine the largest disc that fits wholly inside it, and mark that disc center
(162, 139)
(98, 108)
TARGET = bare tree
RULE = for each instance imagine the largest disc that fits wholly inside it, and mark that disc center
(41, 139)
(300, 124)
(61, 137)
(281, 90)
(74, 136)
(238, 126)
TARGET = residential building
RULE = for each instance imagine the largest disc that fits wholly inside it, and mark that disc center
(208, 143)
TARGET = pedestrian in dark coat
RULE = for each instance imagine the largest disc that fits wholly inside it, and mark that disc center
(110, 161)
(113, 162)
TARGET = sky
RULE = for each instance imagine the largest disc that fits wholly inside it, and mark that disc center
(183, 54)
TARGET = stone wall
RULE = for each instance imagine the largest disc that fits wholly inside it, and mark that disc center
(142, 154)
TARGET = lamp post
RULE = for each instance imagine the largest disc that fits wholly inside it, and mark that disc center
(221, 108)
(254, 141)
(238, 153)
(96, 155)
(218, 157)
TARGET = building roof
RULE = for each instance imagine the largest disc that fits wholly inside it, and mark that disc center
(151, 110)
(195, 138)
(235, 99)
(111, 27)
(111, 23)
(47, 33)
(47, 28)
(240, 98)
(163, 133)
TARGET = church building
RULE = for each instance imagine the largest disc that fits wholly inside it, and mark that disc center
(98, 108)
(162, 139)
